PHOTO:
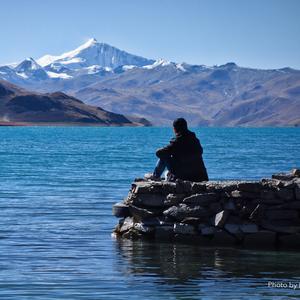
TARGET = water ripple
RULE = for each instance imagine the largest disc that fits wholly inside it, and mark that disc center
(57, 187)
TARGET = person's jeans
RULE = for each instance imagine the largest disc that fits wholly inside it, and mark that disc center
(161, 165)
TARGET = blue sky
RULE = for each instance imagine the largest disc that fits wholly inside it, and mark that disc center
(261, 34)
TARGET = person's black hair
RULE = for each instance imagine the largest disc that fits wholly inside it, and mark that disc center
(180, 125)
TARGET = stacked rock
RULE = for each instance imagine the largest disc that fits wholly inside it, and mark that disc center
(246, 213)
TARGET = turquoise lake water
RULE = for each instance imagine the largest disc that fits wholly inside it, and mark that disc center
(57, 187)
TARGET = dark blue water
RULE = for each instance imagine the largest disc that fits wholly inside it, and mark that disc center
(57, 186)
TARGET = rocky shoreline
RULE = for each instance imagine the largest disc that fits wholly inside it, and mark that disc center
(249, 214)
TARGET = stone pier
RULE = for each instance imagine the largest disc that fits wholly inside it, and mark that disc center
(248, 214)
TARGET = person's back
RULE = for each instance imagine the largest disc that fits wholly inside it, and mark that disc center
(186, 160)
(183, 156)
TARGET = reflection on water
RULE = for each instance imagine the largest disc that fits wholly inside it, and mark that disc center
(201, 271)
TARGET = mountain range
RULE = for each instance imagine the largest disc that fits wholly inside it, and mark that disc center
(160, 90)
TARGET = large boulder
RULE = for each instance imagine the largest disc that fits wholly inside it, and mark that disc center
(203, 199)
(184, 211)
(252, 187)
(249, 228)
(281, 214)
(221, 218)
(146, 187)
(286, 194)
(173, 199)
(126, 225)
(121, 210)
(148, 200)
(140, 214)
(181, 228)
(295, 172)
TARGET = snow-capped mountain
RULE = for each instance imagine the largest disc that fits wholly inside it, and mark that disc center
(160, 90)
(29, 64)
(26, 71)
(75, 69)
(91, 59)
(93, 53)
(29, 68)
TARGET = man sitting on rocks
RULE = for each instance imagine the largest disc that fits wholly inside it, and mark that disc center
(182, 157)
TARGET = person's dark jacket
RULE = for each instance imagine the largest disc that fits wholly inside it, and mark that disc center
(185, 155)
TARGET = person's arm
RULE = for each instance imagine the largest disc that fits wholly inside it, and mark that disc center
(166, 152)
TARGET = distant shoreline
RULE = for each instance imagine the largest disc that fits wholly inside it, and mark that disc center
(54, 124)
(70, 124)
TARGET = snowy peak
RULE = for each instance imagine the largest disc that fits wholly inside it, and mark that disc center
(158, 63)
(90, 61)
(28, 64)
(66, 57)
(90, 43)
(29, 68)
(94, 53)
(163, 63)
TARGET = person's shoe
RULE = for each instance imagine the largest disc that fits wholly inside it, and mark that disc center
(170, 177)
(150, 176)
